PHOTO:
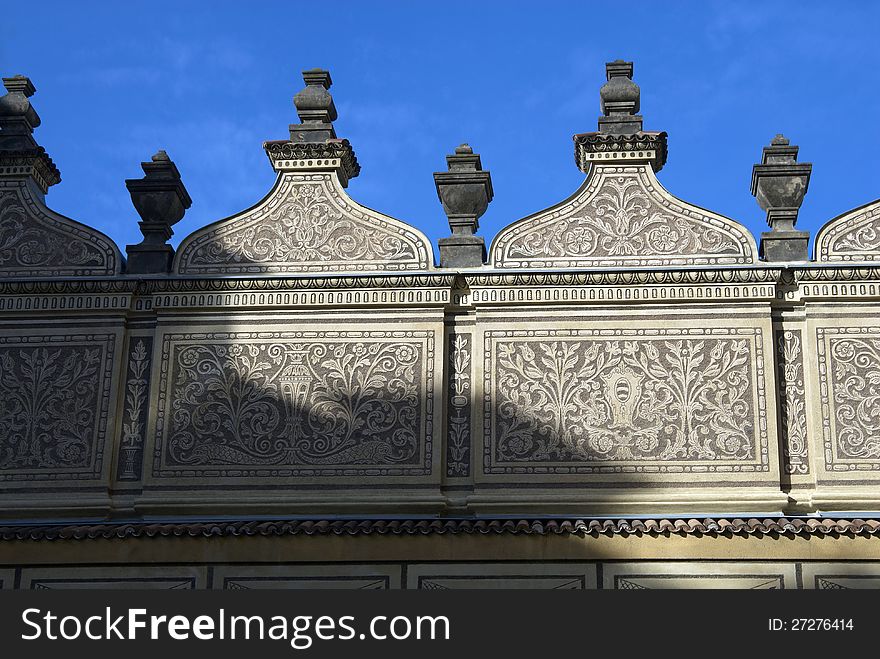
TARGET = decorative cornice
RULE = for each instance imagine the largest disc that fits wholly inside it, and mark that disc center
(333, 154)
(837, 274)
(34, 162)
(310, 283)
(626, 277)
(418, 527)
(603, 147)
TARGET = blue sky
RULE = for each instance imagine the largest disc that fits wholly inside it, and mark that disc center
(208, 82)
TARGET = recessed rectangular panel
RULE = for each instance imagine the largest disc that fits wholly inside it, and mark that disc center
(716, 574)
(7, 579)
(656, 400)
(849, 379)
(172, 577)
(56, 393)
(442, 576)
(326, 577)
(840, 576)
(295, 403)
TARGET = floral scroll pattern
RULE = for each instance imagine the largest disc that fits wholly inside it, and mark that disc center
(852, 237)
(135, 413)
(792, 408)
(306, 225)
(51, 407)
(625, 401)
(296, 403)
(28, 245)
(854, 373)
(459, 426)
(621, 219)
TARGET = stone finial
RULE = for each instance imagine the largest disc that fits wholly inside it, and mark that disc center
(315, 108)
(17, 116)
(20, 155)
(313, 145)
(620, 138)
(619, 100)
(161, 200)
(465, 191)
(779, 184)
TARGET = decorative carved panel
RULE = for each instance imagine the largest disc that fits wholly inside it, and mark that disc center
(622, 216)
(854, 236)
(459, 397)
(593, 401)
(36, 242)
(295, 403)
(134, 415)
(849, 376)
(308, 224)
(792, 403)
(54, 399)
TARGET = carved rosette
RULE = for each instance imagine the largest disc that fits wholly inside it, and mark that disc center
(299, 403)
(849, 376)
(54, 400)
(306, 224)
(590, 401)
(36, 242)
(622, 216)
(792, 402)
(134, 414)
(459, 401)
(854, 236)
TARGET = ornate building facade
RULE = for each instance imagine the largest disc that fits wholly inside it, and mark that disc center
(622, 391)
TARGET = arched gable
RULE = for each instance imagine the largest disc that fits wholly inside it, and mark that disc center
(622, 217)
(307, 223)
(35, 241)
(852, 236)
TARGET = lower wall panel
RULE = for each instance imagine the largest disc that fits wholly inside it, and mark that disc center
(633, 575)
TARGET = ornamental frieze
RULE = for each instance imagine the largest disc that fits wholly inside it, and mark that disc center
(849, 375)
(854, 236)
(622, 216)
(300, 403)
(581, 401)
(54, 399)
(306, 224)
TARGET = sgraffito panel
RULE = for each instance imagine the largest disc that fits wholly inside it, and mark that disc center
(854, 236)
(593, 401)
(458, 435)
(296, 403)
(849, 376)
(134, 414)
(622, 217)
(55, 394)
(306, 224)
(792, 401)
(37, 242)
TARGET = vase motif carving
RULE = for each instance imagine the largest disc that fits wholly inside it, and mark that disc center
(625, 400)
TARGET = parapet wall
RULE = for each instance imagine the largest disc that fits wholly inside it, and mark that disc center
(621, 353)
